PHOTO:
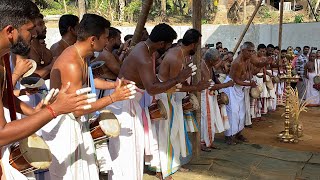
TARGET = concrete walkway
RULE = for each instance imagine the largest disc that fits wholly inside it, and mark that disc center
(252, 161)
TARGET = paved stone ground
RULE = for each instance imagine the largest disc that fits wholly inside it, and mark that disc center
(252, 161)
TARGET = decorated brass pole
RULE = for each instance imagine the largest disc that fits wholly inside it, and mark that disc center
(287, 137)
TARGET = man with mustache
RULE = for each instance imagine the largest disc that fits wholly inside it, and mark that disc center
(111, 62)
(16, 26)
(39, 52)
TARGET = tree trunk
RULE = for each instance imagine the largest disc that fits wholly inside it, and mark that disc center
(146, 6)
(82, 8)
(163, 10)
(65, 6)
(196, 22)
(181, 7)
(122, 4)
(244, 11)
(96, 4)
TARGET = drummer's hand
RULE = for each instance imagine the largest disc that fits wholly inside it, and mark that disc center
(124, 82)
(22, 66)
(123, 92)
(253, 84)
(230, 83)
(202, 85)
(184, 74)
(65, 103)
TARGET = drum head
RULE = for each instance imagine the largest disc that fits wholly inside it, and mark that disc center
(255, 93)
(36, 152)
(316, 79)
(194, 101)
(109, 123)
(96, 64)
(31, 71)
(32, 82)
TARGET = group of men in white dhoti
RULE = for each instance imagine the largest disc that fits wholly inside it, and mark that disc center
(127, 81)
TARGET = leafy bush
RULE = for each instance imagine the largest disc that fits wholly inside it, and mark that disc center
(298, 18)
(132, 9)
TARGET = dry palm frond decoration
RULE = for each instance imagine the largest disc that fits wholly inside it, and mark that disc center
(296, 106)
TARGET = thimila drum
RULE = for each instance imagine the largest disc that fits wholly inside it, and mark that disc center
(190, 103)
(223, 99)
(255, 92)
(157, 111)
(105, 126)
(30, 154)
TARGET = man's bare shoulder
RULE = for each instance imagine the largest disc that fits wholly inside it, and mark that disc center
(171, 56)
(139, 55)
(104, 55)
(68, 57)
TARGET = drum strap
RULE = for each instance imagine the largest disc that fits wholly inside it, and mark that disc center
(10, 95)
(91, 83)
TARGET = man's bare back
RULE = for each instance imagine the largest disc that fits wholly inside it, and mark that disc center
(58, 47)
(138, 63)
(171, 64)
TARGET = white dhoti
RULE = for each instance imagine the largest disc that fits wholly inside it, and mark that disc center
(9, 172)
(207, 125)
(168, 150)
(127, 150)
(236, 108)
(247, 104)
(311, 93)
(264, 94)
(224, 116)
(211, 119)
(72, 147)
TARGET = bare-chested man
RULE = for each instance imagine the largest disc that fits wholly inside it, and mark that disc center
(128, 149)
(309, 73)
(76, 160)
(172, 138)
(39, 52)
(241, 74)
(211, 118)
(111, 62)
(68, 26)
(16, 26)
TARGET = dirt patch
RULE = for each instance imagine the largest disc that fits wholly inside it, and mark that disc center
(265, 132)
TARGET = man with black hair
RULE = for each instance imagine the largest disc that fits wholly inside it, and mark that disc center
(127, 150)
(219, 45)
(301, 62)
(68, 138)
(16, 26)
(175, 60)
(270, 50)
(68, 26)
(111, 62)
(262, 50)
(39, 52)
